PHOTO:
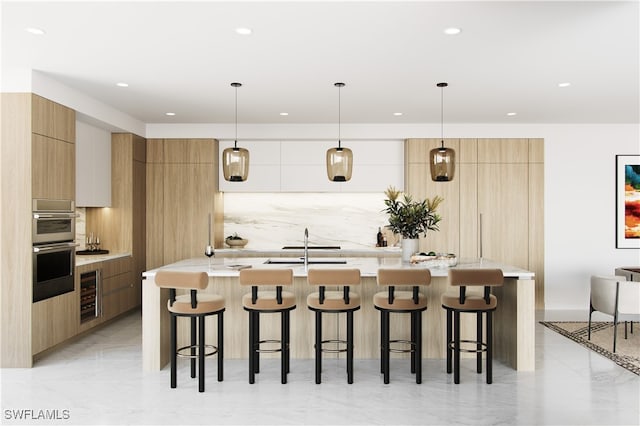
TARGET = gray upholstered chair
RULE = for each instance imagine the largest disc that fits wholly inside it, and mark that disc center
(615, 296)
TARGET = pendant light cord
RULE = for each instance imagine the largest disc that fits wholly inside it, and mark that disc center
(442, 116)
(339, 115)
(235, 143)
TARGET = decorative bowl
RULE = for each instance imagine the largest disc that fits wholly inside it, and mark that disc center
(236, 243)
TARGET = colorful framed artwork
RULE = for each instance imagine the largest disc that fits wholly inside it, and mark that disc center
(628, 201)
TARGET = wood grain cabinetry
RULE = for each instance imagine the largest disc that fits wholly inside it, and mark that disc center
(123, 227)
(493, 207)
(118, 287)
(52, 119)
(52, 150)
(182, 186)
(54, 320)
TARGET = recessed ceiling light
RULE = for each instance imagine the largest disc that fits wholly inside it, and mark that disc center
(566, 84)
(122, 84)
(284, 113)
(511, 114)
(397, 114)
(35, 31)
(244, 31)
(170, 114)
(452, 31)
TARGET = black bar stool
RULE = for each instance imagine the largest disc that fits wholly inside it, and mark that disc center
(334, 302)
(264, 302)
(193, 305)
(478, 304)
(412, 302)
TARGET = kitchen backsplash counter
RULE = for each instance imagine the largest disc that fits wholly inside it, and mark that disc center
(89, 259)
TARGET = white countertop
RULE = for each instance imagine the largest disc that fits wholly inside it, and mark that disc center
(224, 267)
(87, 259)
(343, 252)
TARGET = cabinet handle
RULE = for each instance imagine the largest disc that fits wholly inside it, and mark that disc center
(480, 235)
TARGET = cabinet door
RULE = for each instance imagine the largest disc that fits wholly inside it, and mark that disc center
(503, 205)
(93, 166)
(53, 120)
(187, 202)
(54, 320)
(53, 168)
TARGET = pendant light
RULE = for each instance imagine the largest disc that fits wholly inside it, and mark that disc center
(339, 160)
(442, 160)
(235, 161)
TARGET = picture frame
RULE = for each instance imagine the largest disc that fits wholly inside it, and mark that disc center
(628, 201)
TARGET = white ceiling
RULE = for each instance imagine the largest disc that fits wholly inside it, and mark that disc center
(182, 57)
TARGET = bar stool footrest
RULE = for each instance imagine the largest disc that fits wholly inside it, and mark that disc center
(473, 342)
(269, 350)
(212, 350)
(402, 342)
(334, 350)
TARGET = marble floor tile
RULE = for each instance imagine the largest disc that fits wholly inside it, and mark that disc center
(98, 379)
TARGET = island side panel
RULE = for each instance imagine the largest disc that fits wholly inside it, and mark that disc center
(514, 324)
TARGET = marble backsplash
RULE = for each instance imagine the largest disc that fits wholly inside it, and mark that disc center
(273, 220)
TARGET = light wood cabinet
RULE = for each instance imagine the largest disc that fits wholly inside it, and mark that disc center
(494, 205)
(52, 119)
(182, 179)
(54, 320)
(52, 168)
(123, 227)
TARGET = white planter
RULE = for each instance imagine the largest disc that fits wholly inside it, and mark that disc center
(409, 248)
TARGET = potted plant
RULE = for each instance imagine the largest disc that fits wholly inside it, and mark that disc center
(411, 218)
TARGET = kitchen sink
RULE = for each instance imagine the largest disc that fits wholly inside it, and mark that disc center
(311, 248)
(298, 261)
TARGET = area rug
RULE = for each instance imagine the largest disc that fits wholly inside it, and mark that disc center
(627, 350)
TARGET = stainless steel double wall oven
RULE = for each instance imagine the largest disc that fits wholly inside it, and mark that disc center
(53, 230)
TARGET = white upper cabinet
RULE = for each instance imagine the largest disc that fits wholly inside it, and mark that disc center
(93, 166)
(300, 166)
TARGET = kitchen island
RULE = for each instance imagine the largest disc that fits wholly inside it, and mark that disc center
(514, 320)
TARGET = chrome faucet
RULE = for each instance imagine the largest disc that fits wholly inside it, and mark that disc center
(306, 247)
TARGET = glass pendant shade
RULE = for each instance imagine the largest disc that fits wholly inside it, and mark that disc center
(235, 164)
(235, 161)
(442, 161)
(443, 164)
(339, 164)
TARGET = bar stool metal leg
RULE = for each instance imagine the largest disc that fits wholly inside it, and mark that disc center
(350, 347)
(256, 342)
(174, 347)
(489, 348)
(479, 343)
(220, 345)
(287, 337)
(413, 341)
(456, 347)
(252, 348)
(418, 345)
(318, 346)
(201, 354)
(449, 340)
(283, 347)
(193, 347)
(386, 343)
